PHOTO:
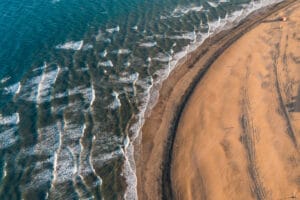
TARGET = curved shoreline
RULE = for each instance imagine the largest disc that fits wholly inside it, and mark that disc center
(166, 183)
(167, 112)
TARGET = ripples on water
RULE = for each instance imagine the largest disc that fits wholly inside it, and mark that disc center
(76, 82)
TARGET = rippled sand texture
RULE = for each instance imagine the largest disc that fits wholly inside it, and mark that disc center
(239, 133)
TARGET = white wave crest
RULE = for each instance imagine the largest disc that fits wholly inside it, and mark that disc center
(116, 103)
(111, 30)
(148, 44)
(127, 64)
(161, 57)
(185, 36)
(5, 169)
(19, 88)
(128, 78)
(103, 54)
(5, 79)
(181, 11)
(134, 28)
(212, 4)
(71, 45)
(106, 64)
(93, 96)
(12, 119)
(122, 51)
(12, 89)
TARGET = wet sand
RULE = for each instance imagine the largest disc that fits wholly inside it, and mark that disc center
(227, 122)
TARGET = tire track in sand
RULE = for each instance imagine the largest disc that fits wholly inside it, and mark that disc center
(283, 110)
(248, 139)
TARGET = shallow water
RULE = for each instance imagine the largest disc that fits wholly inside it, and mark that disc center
(75, 80)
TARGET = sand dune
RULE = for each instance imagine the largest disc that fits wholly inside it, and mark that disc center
(235, 119)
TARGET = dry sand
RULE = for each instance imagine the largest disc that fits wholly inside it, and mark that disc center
(227, 124)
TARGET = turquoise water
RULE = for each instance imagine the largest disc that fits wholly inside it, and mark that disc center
(77, 77)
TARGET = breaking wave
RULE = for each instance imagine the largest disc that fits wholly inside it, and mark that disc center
(76, 46)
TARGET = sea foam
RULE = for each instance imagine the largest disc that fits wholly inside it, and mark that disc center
(181, 11)
(5, 79)
(8, 137)
(45, 85)
(213, 4)
(122, 51)
(187, 36)
(12, 89)
(111, 30)
(116, 103)
(106, 64)
(11, 119)
(148, 44)
(71, 45)
(103, 53)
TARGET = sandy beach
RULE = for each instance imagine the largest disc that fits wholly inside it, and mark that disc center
(226, 125)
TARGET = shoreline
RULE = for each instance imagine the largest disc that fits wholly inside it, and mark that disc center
(153, 154)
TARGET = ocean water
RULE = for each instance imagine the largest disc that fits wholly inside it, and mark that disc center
(76, 81)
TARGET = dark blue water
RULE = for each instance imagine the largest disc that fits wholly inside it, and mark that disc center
(77, 77)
